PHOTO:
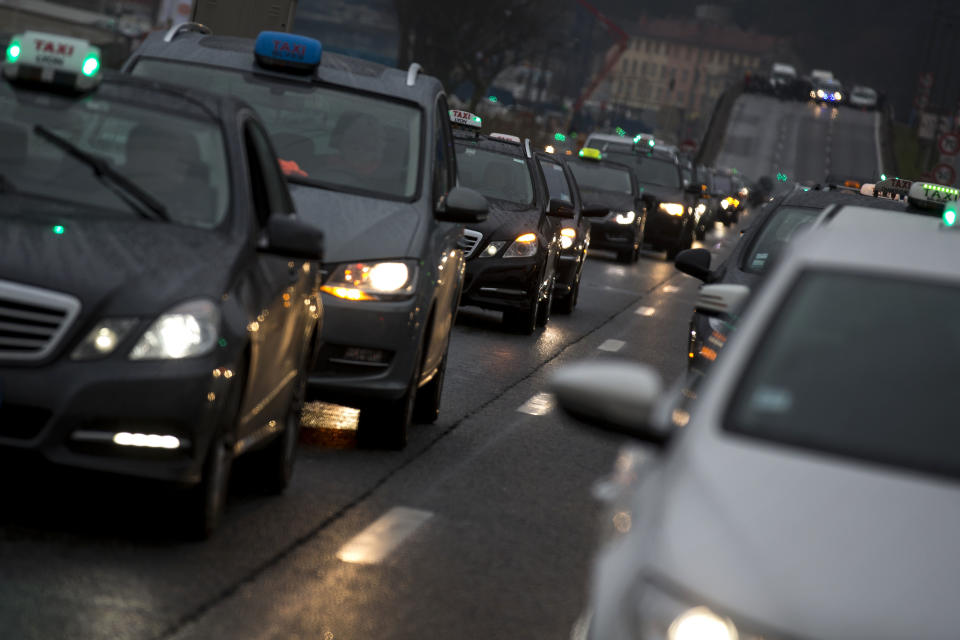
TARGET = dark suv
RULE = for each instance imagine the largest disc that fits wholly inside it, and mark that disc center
(368, 152)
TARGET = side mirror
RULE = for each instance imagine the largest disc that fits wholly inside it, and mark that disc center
(722, 299)
(560, 209)
(594, 211)
(288, 236)
(614, 396)
(463, 205)
(694, 262)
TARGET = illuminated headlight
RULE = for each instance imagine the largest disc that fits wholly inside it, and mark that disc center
(744, 192)
(837, 95)
(821, 94)
(813, 94)
(103, 338)
(663, 615)
(567, 236)
(188, 330)
(672, 208)
(724, 204)
(701, 209)
(492, 249)
(388, 280)
(524, 246)
(627, 217)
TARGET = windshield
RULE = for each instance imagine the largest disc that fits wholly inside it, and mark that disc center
(494, 174)
(323, 135)
(780, 229)
(723, 184)
(846, 368)
(601, 177)
(662, 173)
(178, 160)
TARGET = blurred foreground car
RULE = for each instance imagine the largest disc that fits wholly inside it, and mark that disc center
(367, 150)
(863, 97)
(158, 297)
(512, 257)
(803, 483)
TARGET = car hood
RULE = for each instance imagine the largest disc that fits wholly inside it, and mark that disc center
(811, 545)
(117, 267)
(609, 199)
(660, 193)
(506, 221)
(359, 227)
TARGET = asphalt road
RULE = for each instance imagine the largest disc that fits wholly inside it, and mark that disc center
(807, 142)
(490, 508)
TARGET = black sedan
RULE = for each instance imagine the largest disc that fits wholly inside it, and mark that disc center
(158, 296)
(512, 257)
(611, 188)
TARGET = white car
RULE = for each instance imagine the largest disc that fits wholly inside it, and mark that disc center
(807, 487)
(862, 97)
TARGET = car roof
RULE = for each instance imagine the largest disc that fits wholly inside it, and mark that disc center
(237, 53)
(872, 239)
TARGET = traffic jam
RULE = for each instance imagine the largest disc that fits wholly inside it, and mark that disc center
(346, 359)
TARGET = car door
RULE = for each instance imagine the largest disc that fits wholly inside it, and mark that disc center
(444, 255)
(277, 297)
(561, 185)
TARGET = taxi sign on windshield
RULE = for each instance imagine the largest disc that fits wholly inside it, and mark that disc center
(287, 51)
(52, 59)
(465, 118)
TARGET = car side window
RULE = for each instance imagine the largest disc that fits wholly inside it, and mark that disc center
(270, 193)
(557, 186)
(443, 168)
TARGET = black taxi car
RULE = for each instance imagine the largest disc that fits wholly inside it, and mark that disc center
(610, 189)
(159, 300)
(512, 257)
(367, 150)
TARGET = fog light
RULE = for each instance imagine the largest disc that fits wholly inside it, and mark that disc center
(360, 354)
(148, 440)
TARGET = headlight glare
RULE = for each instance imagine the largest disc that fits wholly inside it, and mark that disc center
(567, 236)
(492, 249)
(627, 217)
(103, 338)
(188, 330)
(524, 246)
(672, 208)
(699, 623)
(358, 281)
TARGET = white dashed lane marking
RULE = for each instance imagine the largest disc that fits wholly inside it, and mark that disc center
(383, 535)
(611, 345)
(539, 405)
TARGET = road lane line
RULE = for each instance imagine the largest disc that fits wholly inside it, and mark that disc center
(539, 405)
(611, 345)
(383, 535)
(876, 139)
(646, 312)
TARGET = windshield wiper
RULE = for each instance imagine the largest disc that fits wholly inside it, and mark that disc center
(104, 169)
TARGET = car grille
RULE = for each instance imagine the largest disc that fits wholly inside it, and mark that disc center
(469, 241)
(32, 321)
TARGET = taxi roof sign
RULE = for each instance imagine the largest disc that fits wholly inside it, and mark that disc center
(465, 118)
(505, 137)
(928, 195)
(591, 154)
(48, 58)
(287, 51)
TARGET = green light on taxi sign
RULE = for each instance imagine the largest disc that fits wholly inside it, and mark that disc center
(950, 214)
(620, 131)
(883, 176)
(13, 51)
(559, 137)
(493, 99)
(652, 142)
(90, 65)
(782, 177)
(58, 229)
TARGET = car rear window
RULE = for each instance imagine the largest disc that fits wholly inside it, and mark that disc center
(601, 177)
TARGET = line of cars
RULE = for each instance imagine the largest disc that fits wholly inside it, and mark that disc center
(819, 86)
(791, 489)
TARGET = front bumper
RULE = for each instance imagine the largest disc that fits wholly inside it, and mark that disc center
(68, 412)
(571, 260)
(369, 350)
(502, 284)
(611, 236)
(663, 229)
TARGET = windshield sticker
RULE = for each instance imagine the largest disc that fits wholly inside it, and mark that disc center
(470, 152)
(518, 160)
(758, 261)
(771, 400)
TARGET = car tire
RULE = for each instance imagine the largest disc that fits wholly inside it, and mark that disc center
(672, 251)
(385, 425)
(426, 407)
(523, 321)
(567, 303)
(626, 256)
(273, 465)
(543, 309)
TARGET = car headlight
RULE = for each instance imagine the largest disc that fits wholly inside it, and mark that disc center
(672, 208)
(813, 94)
(724, 204)
(103, 338)
(820, 93)
(701, 209)
(567, 236)
(664, 615)
(627, 217)
(744, 192)
(524, 246)
(188, 330)
(387, 280)
(837, 95)
(492, 249)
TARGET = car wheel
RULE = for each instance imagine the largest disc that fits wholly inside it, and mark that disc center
(626, 256)
(273, 465)
(543, 309)
(426, 408)
(384, 426)
(567, 303)
(523, 321)
(672, 251)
